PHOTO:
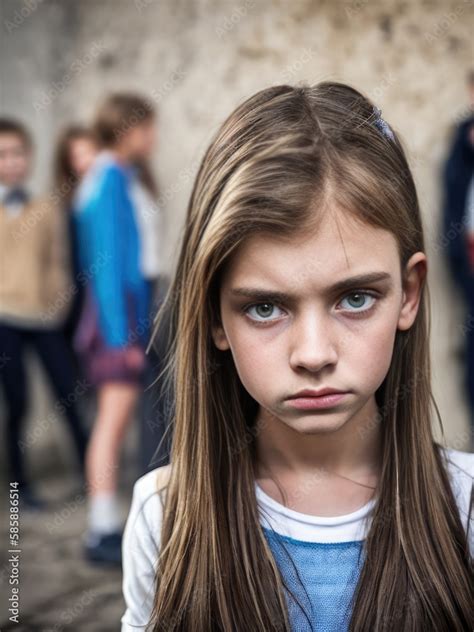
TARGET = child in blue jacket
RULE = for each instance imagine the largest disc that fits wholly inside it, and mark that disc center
(117, 251)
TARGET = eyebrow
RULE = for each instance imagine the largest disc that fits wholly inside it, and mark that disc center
(340, 286)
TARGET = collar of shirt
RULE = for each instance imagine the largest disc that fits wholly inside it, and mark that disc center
(13, 207)
(3, 192)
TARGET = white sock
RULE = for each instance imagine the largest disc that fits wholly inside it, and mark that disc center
(104, 513)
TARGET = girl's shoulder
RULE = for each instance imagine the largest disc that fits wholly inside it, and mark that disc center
(148, 497)
(460, 468)
(153, 482)
(140, 547)
(460, 465)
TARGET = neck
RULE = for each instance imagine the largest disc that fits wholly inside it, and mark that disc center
(353, 450)
(122, 154)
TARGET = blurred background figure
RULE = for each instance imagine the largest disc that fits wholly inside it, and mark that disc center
(459, 229)
(76, 150)
(157, 406)
(118, 251)
(34, 286)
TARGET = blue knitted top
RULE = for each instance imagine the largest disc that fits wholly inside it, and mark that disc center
(320, 559)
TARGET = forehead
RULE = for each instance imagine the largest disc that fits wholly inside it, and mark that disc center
(338, 248)
(145, 124)
(81, 142)
(11, 140)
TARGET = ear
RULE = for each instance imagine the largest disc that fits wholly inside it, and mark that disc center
(413, 280)
(220, 338)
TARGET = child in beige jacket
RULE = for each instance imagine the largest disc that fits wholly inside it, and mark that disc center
(35, 286)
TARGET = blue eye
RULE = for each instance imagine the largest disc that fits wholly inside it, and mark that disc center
(358, 301)
(264, 310)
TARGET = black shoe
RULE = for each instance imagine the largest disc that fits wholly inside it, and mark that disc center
(105, 549)
(29, 501)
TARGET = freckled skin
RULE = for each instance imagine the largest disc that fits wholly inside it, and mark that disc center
(322, 339)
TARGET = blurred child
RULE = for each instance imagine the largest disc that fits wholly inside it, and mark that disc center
(34, 285)
(458, 217)
(118, 252)
(76, 150)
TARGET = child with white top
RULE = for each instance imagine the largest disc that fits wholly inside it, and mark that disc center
(305, 490)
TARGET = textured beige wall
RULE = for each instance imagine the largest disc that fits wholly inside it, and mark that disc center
(199, 59)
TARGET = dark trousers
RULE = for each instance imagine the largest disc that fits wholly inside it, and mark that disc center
(469, 327)
(466, 283)
(56, 358)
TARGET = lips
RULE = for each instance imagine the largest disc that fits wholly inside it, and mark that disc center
(308, 392)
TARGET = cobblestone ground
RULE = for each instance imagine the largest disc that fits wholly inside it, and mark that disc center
(59, 590)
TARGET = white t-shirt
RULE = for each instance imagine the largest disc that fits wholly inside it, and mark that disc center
(150, 225)
(142, 531)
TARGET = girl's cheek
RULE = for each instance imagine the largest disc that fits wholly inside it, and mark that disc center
(375, 358)
(256, 360)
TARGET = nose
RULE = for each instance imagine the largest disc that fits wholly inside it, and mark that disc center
(313, 345)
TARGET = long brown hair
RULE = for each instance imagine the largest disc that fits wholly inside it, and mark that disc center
(65, 178)
(118, 113)
(271, 164)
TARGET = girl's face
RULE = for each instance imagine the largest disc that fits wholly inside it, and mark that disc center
(82, 152)
(139, 140)
(314, 312)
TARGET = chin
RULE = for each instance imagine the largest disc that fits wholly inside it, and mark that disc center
(317, 424)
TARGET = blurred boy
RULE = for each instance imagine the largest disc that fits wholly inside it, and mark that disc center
(34, 281)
